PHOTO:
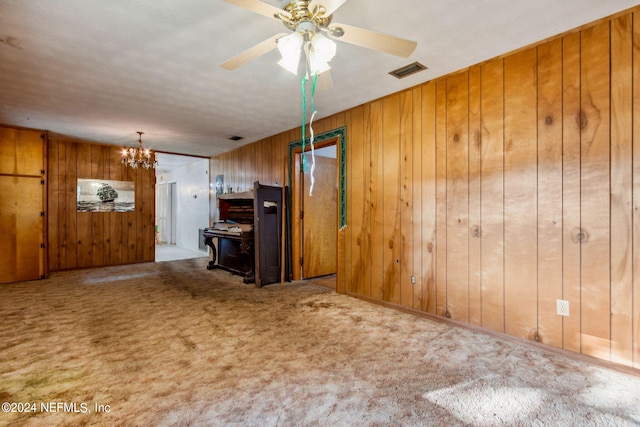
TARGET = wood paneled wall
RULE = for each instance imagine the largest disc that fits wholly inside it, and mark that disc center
(93, 239)
(501, 189)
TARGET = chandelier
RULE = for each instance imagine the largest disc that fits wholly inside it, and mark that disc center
(135, 157)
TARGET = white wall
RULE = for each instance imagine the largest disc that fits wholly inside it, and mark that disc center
(192, 213)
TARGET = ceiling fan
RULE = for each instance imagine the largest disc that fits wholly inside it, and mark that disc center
(308, 20)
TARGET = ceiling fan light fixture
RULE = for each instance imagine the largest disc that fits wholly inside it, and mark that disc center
(317, 65)
(289, 48)
(323, 47)
(319, 51)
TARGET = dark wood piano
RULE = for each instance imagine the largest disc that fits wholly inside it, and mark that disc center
(248, 235)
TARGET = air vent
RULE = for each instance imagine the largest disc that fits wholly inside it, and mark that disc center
(407, 70)
(236, 138)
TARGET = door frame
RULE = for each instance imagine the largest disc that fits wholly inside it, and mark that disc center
(339, 138)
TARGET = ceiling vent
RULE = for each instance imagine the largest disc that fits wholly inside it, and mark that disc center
(407, 70)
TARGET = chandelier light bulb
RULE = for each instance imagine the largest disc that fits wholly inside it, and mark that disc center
(134, 157)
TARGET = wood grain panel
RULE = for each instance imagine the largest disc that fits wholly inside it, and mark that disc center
(595, 192)
(475, 215)
(70, 218)
(492, 195)
(391, 208)
(549, 191)
(458, 197)
(636, 192)
(83, 169)
(520, 207)
(81, 239)
(22, 152)
(356, 273)
(418, 289)
(571, 189)
(407, 225)
(348, 263)
(52, 208)
(367, 233)
(130, 237)
(441, 198)
(428, 206)
(377, 201)
(622, 190)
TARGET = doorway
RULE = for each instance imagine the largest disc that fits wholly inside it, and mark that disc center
(318, 213)
(182, 206)
(337, 139)
(166, 213)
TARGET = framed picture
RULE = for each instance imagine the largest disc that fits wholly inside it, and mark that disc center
(219, 184)
(103, 195)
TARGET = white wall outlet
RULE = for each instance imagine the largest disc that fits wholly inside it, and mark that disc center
(562, 307)
(413, 280)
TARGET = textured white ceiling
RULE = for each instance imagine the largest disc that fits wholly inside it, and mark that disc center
(101, 70)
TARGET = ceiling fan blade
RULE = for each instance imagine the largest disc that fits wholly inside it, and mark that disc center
(330, 5)
(252, 53)
(373, 40)
(259, 7)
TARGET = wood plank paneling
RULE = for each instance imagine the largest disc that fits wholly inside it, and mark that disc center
(428, 206)
(520, 189)
(457, 197)
(391, 211)
(367, 233)
(621, 190)
(595, 192)
(571, 190)
(53, 208)
(475, 212)
(84, 220)
(407, 225)
(492, 196)
(636, 192)
(82, 239)
(377, 201)
(441, 198)
(357, 274)
(416, 206)
(536, 200)
(549, 191)
(70, 218)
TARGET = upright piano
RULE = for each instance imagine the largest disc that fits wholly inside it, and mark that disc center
(248, 234)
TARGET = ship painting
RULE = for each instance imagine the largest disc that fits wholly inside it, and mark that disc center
(100, 195)
(107, 193)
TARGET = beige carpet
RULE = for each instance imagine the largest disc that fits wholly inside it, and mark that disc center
(163, 344)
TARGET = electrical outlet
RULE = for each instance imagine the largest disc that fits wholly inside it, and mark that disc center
(562, 307)
(413, 280)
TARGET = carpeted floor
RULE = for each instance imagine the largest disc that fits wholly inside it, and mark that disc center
(171, 343)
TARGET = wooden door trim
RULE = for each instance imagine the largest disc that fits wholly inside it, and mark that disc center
(338, 137)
